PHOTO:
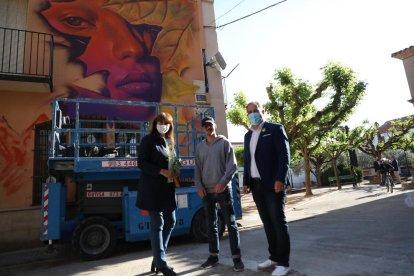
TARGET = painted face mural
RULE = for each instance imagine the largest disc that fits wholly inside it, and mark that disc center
(136, 50)
(105, 43)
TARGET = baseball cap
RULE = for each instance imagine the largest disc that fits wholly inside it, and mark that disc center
(207, 120)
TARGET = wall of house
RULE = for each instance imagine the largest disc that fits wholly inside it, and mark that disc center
(409, 71)
(20, 112)
(216, 94)
(131, 50)
(20, 229)
(104, 49)
(13, 13)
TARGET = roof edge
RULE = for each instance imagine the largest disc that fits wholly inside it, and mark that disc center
(404, 54)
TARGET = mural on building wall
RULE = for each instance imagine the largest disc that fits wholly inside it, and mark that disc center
(138, 50)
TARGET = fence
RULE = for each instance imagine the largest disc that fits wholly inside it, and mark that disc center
(26, 55)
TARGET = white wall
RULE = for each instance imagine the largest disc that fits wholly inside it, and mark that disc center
(299, 179)
(215, 94)
(409, 71)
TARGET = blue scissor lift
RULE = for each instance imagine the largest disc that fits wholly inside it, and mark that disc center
(89, 198)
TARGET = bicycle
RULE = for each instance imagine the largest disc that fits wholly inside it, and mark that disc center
(386, 169)
(388, 182)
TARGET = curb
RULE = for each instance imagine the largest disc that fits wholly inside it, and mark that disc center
(34, 255)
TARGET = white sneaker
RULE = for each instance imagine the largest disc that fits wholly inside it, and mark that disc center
(266, 264)
(280, 271)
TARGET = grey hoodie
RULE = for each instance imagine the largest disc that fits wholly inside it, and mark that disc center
(214, 163)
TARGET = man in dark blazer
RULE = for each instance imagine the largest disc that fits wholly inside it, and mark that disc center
(266, 162)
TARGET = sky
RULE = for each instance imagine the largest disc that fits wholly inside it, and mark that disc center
(304, 35)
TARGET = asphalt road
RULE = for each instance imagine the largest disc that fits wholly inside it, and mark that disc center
(363, 231)
(372, 238)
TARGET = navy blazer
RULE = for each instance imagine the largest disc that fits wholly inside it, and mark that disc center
(154, 193)
(272, 155)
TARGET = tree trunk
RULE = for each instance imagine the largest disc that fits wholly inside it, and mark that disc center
(307, 171)
(318, 175)
(338, 182)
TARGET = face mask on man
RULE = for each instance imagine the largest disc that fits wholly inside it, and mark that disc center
(255, 118)
(162, 129)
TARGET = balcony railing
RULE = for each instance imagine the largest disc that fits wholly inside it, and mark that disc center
(26, 56)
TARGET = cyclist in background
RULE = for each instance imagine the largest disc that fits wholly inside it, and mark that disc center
(384, 168)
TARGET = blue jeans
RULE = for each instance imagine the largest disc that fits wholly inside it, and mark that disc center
(162, 224)
(225, 200)
(271, 207)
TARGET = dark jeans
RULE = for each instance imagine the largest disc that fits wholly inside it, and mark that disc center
(162, 224)
(271, 207)
(225, 200)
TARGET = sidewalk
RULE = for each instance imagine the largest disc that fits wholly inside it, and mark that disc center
(251, 218)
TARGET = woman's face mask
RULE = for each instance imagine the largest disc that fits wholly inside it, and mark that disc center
(162, 129)
(255, 118)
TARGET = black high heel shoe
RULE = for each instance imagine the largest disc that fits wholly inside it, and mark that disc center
(156, 270)
(167, 271)
(153, 269)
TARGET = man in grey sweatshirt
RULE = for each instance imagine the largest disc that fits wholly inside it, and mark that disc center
(215, 166)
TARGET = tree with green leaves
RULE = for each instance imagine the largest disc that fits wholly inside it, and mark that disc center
(395, 134)
(294, 103)
(319, 160)
(238, 152)
(337, 142)
(237, 113)
(406, 143)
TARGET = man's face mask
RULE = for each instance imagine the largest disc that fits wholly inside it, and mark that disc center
(255, 118)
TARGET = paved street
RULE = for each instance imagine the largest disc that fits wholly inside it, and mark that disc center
(363, 231)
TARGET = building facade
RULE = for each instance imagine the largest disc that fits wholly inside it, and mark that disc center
(145, 51)
(407, 57)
